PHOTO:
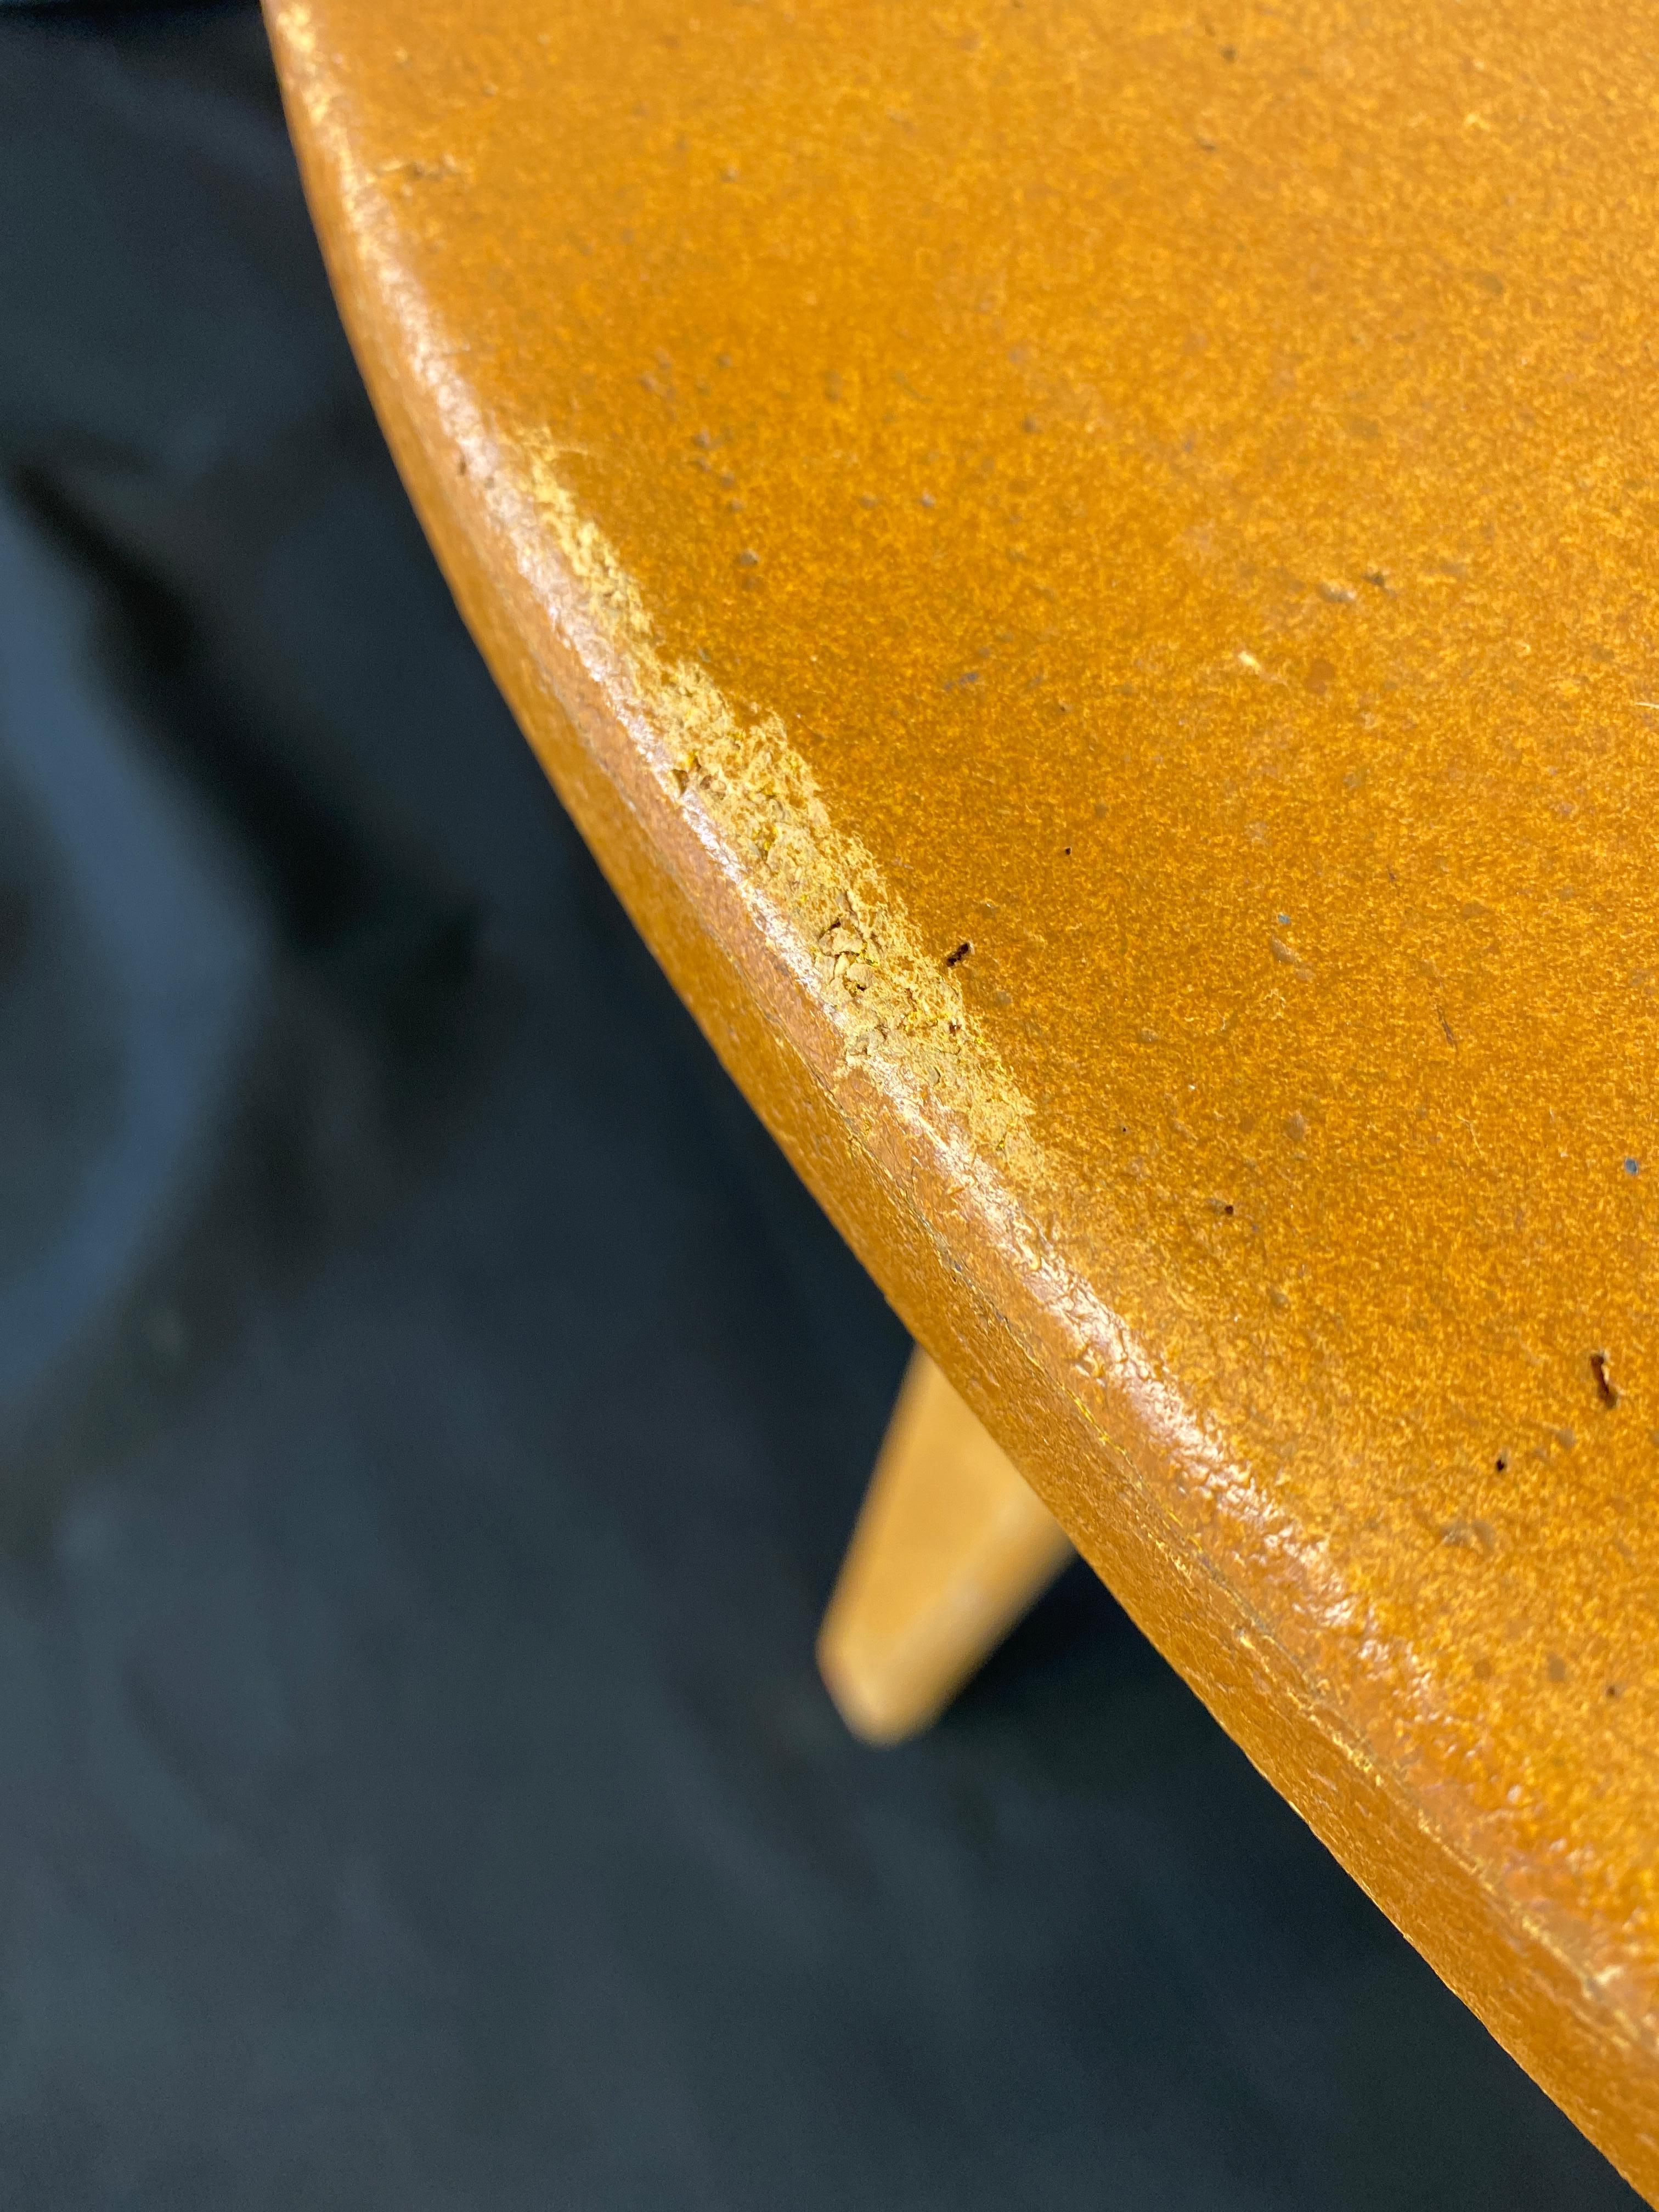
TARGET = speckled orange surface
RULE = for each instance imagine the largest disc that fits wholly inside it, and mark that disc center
(1090, 576)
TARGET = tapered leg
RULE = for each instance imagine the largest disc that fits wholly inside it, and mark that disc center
(950, 1548)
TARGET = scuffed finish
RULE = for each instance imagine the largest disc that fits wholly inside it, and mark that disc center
(815, 889)
(1165, 502)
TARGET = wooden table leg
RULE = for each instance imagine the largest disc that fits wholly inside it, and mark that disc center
(950, 1548)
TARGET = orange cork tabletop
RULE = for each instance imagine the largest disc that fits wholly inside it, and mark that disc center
(1089, 575)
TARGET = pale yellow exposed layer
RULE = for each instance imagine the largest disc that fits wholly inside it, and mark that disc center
(1168, 499)
(896, 1003)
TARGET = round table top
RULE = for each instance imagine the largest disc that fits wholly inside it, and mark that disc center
(1088, 575)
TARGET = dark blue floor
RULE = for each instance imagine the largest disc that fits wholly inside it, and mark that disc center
(430, 1416)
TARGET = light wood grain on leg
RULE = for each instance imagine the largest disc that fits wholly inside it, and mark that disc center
(951, 1547)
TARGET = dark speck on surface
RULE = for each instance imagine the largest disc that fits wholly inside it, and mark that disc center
(419, 1794)
(1602, 1369)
